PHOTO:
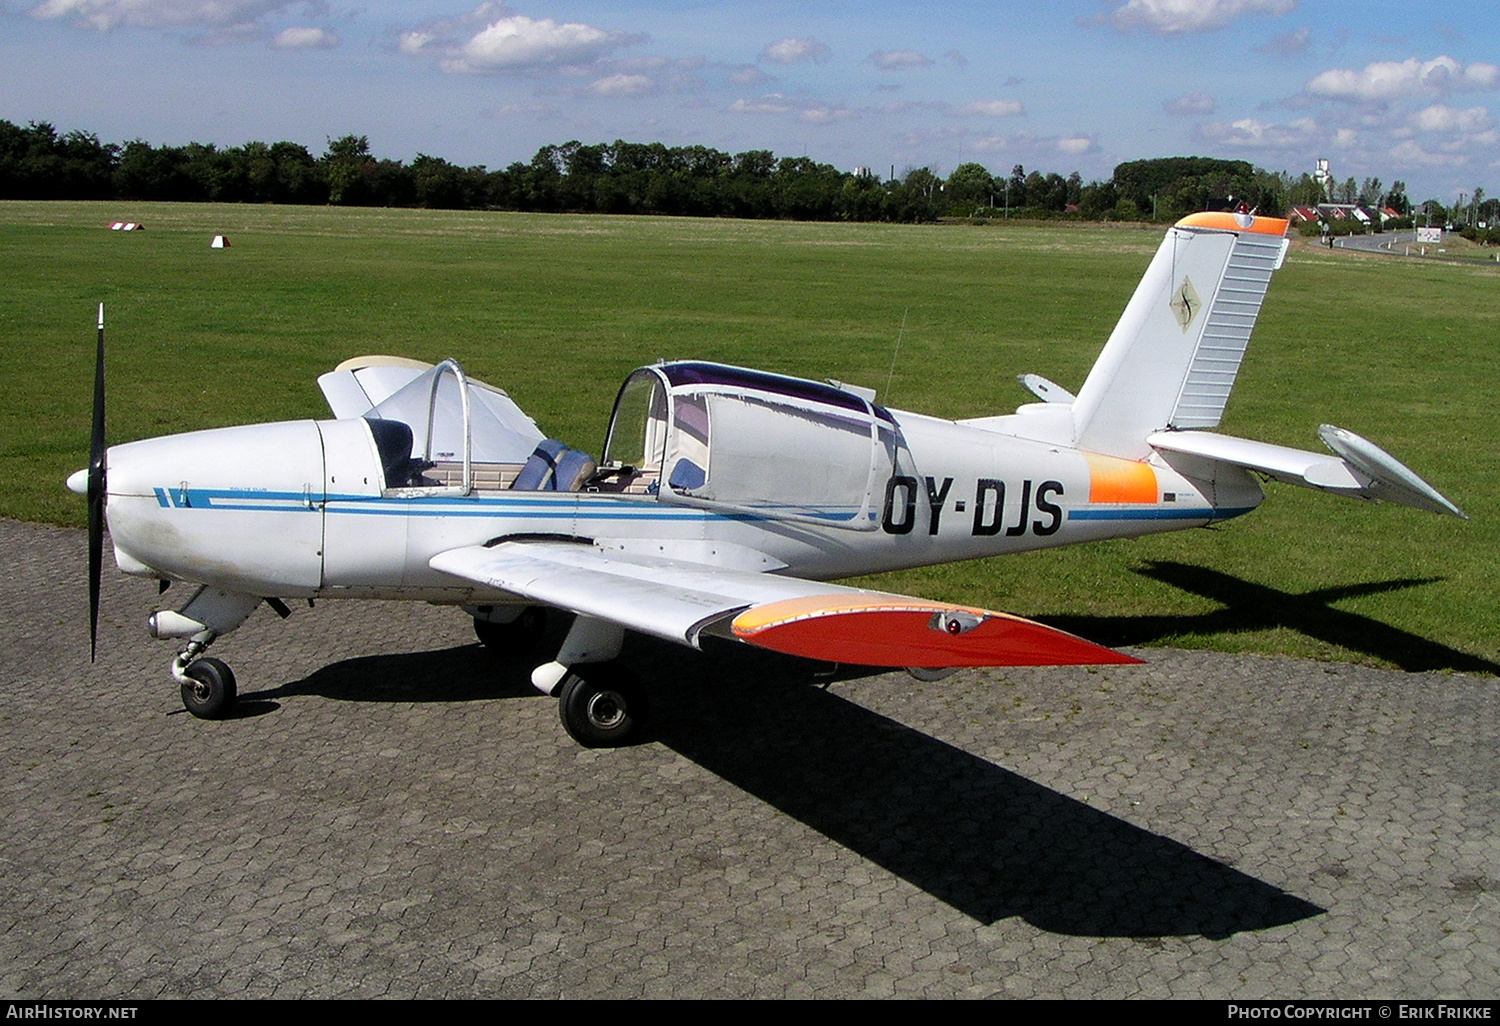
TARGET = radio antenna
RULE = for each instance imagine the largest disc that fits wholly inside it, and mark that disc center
(895, 354)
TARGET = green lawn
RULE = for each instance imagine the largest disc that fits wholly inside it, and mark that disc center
(556, 309)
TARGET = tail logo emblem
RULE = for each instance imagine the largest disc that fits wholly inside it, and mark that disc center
(1185, 304)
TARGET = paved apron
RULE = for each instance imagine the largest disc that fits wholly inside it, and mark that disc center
(396, 813)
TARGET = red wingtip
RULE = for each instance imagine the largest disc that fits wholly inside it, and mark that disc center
(888, 630)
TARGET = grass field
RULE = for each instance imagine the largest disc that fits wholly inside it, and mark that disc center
(556, 309)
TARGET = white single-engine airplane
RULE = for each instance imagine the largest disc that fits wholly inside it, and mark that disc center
(724, 500)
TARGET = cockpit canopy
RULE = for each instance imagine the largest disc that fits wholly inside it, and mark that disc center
(774, 446)
(449, 414)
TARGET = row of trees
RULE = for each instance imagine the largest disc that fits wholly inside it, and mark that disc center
(36, 162)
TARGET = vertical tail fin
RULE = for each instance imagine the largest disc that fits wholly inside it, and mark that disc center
(1173, 357)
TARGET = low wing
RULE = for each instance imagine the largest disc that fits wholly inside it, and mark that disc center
(680, 600)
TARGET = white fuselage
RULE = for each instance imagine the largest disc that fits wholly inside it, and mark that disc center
(298, 510)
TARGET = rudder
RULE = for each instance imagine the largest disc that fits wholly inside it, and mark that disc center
(1173, 357)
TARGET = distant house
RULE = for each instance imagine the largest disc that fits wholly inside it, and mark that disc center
(1301, 214)
(1332, 212)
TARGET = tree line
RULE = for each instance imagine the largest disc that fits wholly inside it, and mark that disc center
(36, 162)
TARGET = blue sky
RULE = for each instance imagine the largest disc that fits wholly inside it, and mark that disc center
(1393, 91)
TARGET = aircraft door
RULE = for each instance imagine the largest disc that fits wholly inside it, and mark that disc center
(778, 456)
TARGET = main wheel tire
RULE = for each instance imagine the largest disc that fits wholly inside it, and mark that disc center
(603, 709)
(212, 693)
(515, 639)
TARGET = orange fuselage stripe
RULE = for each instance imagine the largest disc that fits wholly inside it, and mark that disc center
(1114, 480)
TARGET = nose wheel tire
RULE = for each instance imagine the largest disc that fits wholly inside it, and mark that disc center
(211, 693)
(602, 710)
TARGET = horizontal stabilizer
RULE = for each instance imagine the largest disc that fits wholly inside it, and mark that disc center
(890, 630)
(1389, 478)
(1359, 469)
(1045, 390)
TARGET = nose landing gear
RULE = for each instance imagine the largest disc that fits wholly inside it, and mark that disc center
(208, 685)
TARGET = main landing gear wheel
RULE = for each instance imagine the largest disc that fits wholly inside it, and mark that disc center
(513, 639)
(211, 693)
(602, 710)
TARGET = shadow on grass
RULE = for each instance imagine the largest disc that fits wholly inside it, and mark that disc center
(1253, 607)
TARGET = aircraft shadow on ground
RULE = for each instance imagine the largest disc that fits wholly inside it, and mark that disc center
(979, 837)
(467, 673)
(982, 839)
(1248, 606)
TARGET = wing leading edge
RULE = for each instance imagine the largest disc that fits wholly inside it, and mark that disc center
(679, 601)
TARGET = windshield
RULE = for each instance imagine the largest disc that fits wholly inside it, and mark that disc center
(638, 430)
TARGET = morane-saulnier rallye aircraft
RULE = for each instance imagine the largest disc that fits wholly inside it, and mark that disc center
(724, 500)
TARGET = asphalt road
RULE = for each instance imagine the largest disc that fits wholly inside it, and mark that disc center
(395, 813)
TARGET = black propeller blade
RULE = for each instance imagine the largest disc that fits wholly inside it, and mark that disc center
(96, 491)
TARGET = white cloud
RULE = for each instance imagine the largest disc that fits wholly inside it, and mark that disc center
(519, 43)
(1409, 152)
(1190, 103)
(1442, 118)
(623, 85)
(771, 103)
(777, 103)
(1288, 44)
(899, 60)
(991, 144)
(1251, 133)
(794, 51)
(539, 110)
(1179, 17)
(826, 115)
(748, 74)
(413, 42)
(158, 14)
(990, 108)
(1383, 81)
(1033, 148)
(305, 39)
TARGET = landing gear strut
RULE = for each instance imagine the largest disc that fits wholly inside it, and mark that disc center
(600, 703)
(208, 687)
